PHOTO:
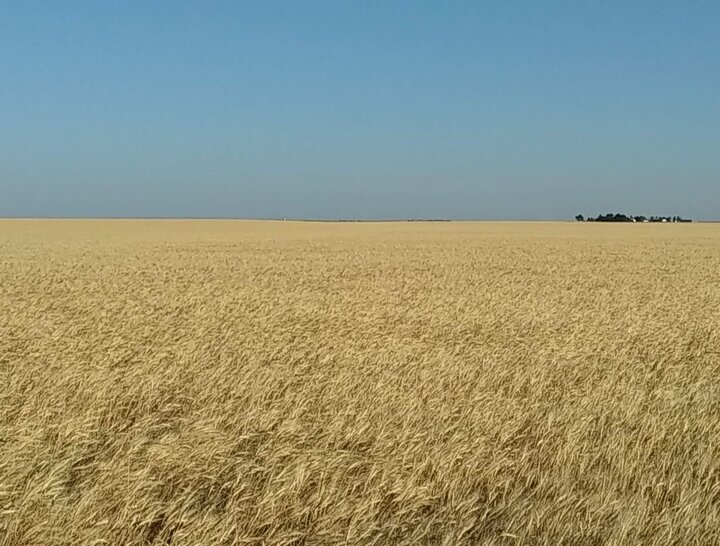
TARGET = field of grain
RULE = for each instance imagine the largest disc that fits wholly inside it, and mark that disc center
(278, 383)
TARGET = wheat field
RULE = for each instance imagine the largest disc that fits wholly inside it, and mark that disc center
(293, 383)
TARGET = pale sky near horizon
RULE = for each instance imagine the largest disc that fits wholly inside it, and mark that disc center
(382, 109)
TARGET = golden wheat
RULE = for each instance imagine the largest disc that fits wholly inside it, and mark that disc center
(227, 382)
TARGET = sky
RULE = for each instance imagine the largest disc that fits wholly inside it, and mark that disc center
(350, 109)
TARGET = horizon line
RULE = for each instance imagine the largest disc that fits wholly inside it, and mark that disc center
(291, 219)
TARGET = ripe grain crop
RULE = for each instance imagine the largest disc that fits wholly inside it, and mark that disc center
(277, 383)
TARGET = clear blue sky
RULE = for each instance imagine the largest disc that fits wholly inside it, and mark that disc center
(491, 110)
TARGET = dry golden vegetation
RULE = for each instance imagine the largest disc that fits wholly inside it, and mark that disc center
(212, 382)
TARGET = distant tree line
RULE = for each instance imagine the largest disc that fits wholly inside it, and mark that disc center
(625, 218)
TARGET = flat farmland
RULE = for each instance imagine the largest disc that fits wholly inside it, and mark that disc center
(278, 383)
